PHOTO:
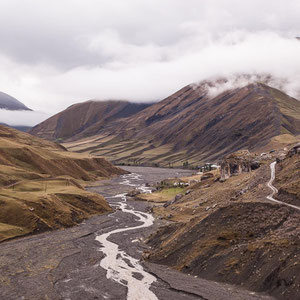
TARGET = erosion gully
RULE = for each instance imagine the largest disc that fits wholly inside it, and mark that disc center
(101, 258)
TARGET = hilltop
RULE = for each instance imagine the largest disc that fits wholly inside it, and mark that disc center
(11, 103)
(85, 119)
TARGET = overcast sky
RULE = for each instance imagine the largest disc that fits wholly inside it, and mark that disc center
(55, 53)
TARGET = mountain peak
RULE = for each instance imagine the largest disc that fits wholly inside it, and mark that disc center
(11, 103)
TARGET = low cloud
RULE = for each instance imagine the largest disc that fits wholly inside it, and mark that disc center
(22, 118)
(55, 54)
(214, 86)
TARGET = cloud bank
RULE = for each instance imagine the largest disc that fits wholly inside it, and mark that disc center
(55, 53)
(22, 117)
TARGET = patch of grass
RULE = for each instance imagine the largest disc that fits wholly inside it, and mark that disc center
(9, 231)
(164, 195)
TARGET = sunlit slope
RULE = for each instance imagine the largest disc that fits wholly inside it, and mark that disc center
(193, 125)
(41, 185)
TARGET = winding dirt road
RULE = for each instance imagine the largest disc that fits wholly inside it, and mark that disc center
(274, 189)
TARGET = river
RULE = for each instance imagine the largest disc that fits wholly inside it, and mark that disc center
(101, 258)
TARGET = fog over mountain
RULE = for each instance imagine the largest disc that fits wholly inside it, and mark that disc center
(65, 52)
(22, 117)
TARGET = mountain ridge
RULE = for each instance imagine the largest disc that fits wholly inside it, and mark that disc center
(84, 118)
(11, 103)
(193, 125)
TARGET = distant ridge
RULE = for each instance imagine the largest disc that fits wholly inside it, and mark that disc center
(85, 119)
(194, 124)
(11, 103)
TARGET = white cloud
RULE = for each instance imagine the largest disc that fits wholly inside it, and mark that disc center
(22, 117)
(57, 53)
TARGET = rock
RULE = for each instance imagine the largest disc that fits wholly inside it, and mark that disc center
(207, 176)
(255, 165)
(294, 150)
(133, 193)
(146, 255)
(167, 204)
(237, 163)
(217, 179)
(178, 197)
(188, 192)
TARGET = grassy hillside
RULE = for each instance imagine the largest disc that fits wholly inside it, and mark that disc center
(41, 185)
(192, 125)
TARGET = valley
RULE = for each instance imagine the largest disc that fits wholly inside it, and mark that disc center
(70, 263)
(236, 222)
(150, 150)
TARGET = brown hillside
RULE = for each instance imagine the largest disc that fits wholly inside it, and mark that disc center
(230, 232)
(40, 185)
(85, 119)
(191, 125)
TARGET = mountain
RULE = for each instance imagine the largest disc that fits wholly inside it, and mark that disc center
(193, 124)
(42, 185)
(10, 103)
(85, 119)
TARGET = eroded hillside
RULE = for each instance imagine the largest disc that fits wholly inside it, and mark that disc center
(229, 231)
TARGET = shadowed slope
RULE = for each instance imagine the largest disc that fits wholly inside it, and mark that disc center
(85, 119)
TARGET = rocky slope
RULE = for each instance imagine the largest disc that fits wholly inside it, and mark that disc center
(41, 185)
(195, 125)
(85, 119)
(237, 163)
(10, 103)
(288, 177)
(228, 231)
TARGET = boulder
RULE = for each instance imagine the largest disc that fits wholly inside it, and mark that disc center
(207, 176)
(294, 150)
(178, 197)
(237, 163)
(133, 193)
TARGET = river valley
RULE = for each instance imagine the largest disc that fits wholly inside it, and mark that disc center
(101, 258)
